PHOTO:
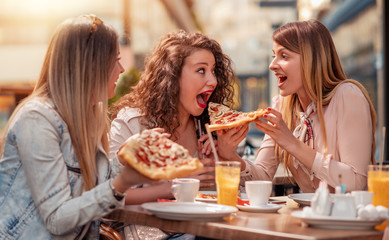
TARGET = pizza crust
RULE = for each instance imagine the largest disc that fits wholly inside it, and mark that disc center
(170, 171)
(238, 123)
(251, 116)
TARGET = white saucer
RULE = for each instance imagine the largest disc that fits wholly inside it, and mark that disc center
(329, 222)
(269, 208)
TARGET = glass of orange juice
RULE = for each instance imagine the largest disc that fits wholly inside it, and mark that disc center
(378, 183)
(227, 182)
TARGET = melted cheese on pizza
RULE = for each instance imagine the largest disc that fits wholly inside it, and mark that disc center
(156, 150)
(220, 114)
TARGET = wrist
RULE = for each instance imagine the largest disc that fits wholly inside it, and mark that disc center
(119, 195)
(119, 184)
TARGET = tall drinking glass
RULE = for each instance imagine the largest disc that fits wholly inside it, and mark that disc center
(227, 182)
(378, 183)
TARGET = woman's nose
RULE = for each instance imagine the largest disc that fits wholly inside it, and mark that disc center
(212, 80)
(273, 65)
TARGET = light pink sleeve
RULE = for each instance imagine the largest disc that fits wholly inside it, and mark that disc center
(353, 129)
(265, 165)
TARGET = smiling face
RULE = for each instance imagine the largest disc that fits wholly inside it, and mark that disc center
(197, 82)
(286, 66)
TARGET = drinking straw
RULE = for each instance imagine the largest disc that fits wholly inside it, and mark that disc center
(200, 134)
(212, 143)
(199, 127)
(342, 185)
(382, 152)
(382, 148)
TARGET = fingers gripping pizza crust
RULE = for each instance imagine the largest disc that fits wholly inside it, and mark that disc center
(223, 117)
(157, 157)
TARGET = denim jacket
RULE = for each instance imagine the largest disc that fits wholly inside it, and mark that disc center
(41, 189)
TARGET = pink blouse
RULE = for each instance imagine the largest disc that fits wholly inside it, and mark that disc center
(349, 140)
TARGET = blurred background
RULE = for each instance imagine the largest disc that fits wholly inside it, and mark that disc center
(242, 27)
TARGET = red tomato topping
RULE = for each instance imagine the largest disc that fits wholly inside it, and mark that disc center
(143, 159)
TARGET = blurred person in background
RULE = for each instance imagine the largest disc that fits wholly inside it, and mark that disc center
(54, 168)
(321, 126)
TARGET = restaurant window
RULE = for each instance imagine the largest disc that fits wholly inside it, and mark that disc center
(254, 95)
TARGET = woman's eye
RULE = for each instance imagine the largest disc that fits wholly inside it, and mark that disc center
(201, 70)
(284, 56)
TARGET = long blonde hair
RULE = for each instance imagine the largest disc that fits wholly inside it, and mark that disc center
(80, 57)
(322, 74)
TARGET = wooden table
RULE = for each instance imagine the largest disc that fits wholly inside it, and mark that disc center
(243, 225)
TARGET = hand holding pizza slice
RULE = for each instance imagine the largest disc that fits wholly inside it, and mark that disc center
(157, 157)
(223, 117)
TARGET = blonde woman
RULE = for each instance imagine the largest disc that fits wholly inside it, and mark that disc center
(54, 168)
(321, 126)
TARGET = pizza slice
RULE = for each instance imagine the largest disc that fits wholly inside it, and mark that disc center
(223, 117)
(157, 157)
(207, 196)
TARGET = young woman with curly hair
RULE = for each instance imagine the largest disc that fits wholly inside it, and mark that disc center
(184, 72)
(321, 126)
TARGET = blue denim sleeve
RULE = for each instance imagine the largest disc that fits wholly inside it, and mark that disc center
(40, 148)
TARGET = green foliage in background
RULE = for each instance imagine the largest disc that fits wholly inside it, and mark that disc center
(126, 81)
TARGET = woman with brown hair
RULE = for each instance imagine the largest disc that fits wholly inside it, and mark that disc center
(184, 72)
(321, 125)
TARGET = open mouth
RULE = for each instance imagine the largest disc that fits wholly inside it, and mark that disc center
(203, 97)
(282, 78)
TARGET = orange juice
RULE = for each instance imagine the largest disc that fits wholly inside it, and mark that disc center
(378, 182)
(227, 182)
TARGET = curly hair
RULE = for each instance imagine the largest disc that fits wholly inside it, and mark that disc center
(157, 93)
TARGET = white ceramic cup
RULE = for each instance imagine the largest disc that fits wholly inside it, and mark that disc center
(343, 206)
(362, 197)
(185, 189)
(258, 192)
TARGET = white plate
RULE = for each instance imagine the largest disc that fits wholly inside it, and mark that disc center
(329, 222)
(189, 211)
(302, 198)
(269, 208)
